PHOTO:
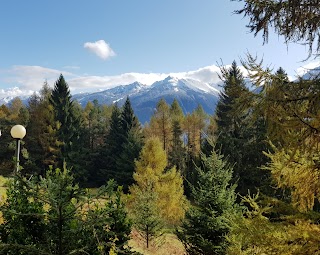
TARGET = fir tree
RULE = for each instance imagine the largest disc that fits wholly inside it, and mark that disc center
(208, 222)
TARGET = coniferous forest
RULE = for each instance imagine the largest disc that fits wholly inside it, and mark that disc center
(244, 180)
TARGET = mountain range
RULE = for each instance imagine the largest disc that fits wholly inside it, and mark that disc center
(188, 92)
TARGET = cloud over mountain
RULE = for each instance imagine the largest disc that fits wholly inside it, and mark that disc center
(24, 80)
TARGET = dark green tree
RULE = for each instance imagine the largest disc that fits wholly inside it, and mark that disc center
(240, 134)
(204, 229)
(109, 153)
(122, 145)
(131, 145)
(41, 140)
(55, 216)
(65, 117)
(177, 153)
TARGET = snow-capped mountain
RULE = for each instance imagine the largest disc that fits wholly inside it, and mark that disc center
(188, 92)
(7, 100)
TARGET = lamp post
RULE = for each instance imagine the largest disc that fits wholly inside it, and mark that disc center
(18, 132)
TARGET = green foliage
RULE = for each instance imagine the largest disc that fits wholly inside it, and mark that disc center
(208, 222)
(240, 133)
(54, 216)
(296, 20)
(177, 153)
(122, 146)
(23, 217)
(67, 122)
(146, 216)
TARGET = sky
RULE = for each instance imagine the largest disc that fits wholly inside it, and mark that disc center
(99, 44)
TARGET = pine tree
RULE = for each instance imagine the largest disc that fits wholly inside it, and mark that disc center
(204, 229)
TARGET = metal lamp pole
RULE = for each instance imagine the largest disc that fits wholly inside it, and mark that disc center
(17, 133)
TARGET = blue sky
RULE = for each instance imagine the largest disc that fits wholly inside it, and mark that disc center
(102, 43)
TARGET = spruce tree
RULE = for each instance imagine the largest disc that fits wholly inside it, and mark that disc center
(241, 135)
(209, 220)
(131, 145)
(122, 146)
(64, 115)
(111, 150)
(177, 153)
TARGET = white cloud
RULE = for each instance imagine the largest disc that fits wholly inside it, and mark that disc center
(100, 48)
(27, 79)
(15, 92)
(24, 80)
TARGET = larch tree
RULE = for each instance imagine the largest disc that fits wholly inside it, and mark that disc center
(160, 123)
(164, 186)
(297, 20)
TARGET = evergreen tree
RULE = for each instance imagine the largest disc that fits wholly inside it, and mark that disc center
(41, 140)
(177, 153)
(54, 216)
(64, 115)
(122, 146)
(176, 112)
(131, 144)
(111, 150)
(241, 135)
(204, 229)
(146, 216)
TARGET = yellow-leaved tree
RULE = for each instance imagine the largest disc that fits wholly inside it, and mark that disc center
(157, 196)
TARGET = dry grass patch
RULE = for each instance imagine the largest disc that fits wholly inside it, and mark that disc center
(170, 244)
